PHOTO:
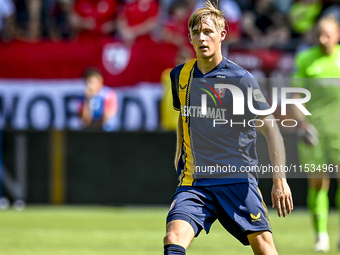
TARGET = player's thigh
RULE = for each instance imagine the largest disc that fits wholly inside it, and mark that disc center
(179, 232)
(190, 212)
(241, 210)
(262, 243)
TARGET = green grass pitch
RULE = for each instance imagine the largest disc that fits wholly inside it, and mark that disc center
(135, 231)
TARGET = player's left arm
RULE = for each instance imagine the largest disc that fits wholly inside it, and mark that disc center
(281, 195)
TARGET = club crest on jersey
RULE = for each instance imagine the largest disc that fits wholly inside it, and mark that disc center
(172, 205)
(220, 92)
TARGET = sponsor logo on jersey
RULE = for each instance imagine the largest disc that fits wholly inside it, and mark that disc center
(216, 92)
(258, 96)
(196, 112)
(255, 218)
(183, 87)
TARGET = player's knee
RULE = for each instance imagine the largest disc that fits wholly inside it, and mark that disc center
(179, 232)
(262, 243)
(176, 237)
(171, 238)
(267, 249)
(272, 252)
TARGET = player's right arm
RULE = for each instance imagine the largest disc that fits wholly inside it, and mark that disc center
(281, 195)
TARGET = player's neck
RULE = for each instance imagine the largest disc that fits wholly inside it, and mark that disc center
(328, 51)
(205, 65)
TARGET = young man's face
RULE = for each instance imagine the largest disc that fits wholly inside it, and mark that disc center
(328, 36)
(206, 40)
(94, 83)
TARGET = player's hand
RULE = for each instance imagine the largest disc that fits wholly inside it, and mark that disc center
(282, 197)
(308, 133)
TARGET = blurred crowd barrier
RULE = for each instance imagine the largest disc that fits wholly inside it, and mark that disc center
(112, 168)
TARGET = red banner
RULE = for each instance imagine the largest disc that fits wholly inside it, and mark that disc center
(122, 65)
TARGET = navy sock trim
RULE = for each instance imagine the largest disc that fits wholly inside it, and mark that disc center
(174, 249)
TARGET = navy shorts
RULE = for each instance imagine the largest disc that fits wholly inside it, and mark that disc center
(239, 208)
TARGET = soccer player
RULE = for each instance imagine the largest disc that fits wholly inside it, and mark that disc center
(320, 131)
(100, 106)
(230, 196)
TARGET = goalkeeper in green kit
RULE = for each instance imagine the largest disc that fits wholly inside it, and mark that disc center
(316, 70)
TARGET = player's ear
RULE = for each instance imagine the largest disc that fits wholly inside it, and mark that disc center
(223, 35)
(189, 36)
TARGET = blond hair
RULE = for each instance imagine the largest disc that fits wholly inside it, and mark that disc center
(329, 19)
(208, 11)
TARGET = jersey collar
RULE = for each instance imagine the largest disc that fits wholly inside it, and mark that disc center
(212, 72)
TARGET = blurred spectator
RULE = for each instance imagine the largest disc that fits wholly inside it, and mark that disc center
(303, 15)
(100, 106)
(265, 25)
(37, 19)
(232, 14)
(7, 19)
(34, 9)
(176, 27)
(57, 19)
(331, 8)
(24, 24)
(283, 6)
(138, 20)
(94, 17)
